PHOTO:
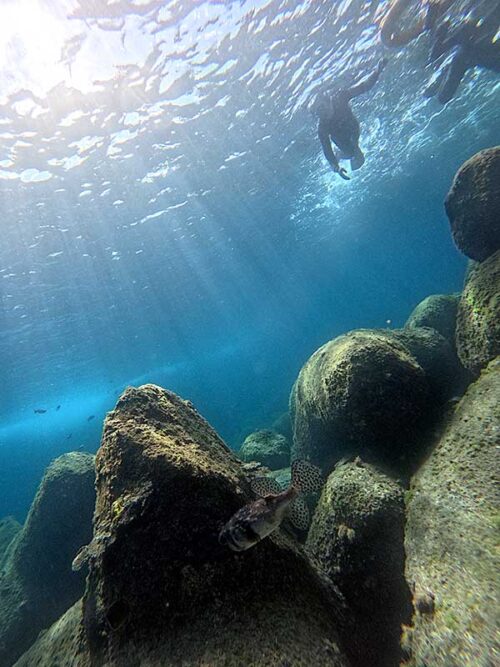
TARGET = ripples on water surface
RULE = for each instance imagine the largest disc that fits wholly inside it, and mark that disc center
(167, 215)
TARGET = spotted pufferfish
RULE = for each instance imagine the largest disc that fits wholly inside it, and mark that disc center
(258, 519)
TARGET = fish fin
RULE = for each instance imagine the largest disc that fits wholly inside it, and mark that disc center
(264, 486)
(306, 477)
(298, 513)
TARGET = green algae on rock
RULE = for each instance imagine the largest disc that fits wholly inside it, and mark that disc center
(478, 320)
(473, 205)
(9, 527)
(452, 537)
(361, 391)
(357, 537)
(437, 311)
(37, 584)
(163, 590)
(267, 447)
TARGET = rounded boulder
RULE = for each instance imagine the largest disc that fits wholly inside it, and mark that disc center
(267, 447)
(361, 391)
(473, 205)
(437, 311)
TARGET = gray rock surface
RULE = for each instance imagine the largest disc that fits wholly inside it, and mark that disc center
(361, 391)
(357, 537)
(161, 589)
(478, 319)
(452, 537)
(437, 311)
(473, 205)
(267, 447)
(36, 582)
(9, 527)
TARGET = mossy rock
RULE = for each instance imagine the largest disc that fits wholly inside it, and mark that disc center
(361, 392)
(161, 589)
(437, 311)
(37, 583)
(452, 537)
(283, 425)
(9, 527)
(357, 537)
(267, 447)
(478, 319)
(473, 205)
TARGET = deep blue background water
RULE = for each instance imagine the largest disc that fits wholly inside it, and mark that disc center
(218, 276)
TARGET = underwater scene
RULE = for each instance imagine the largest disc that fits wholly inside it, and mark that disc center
(250, 333)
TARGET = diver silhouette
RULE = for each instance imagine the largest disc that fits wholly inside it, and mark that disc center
(469, 43)
(338, 124)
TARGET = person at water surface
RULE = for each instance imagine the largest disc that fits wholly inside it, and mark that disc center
(338, 124)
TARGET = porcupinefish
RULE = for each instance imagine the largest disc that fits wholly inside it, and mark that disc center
(258, 519)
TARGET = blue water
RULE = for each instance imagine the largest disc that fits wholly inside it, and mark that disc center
(167, 215)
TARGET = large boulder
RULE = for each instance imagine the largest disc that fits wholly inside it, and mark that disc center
(437, 311)
(267, 447)
(283, 425)
(361, 392)
(452, 537)
(161, 589)
(473, 205)
(446, 377)
(9, 527)
(357, 537)
(37, 583)
(478, 320)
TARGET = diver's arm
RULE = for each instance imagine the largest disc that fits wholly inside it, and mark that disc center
(368, 82)
(326, 145)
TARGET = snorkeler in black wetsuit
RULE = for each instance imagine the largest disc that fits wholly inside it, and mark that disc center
(338, 123)
(470, 43)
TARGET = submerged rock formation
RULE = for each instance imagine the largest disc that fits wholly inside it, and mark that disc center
(452, 537)
(267, 447)
(361, 391)
(473, 205)
(357, 537)
(437, 311)
(36, 582)
(161, 589)
(9, 527)
(478, 320)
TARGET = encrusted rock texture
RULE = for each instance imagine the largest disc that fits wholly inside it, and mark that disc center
(357, 538)
(36, 581)
(9, 527)
(267, 447)
(473, 205)
(478, 319)
(437, 311)
(161, 589)
(452, 537)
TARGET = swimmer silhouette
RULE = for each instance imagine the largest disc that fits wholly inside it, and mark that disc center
(338, 124)
(470, 43)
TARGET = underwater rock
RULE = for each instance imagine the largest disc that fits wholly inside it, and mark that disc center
(438, 311)
(478, 319)
(452, 537)
(37, 584)
(282, 476)
(283, 425)
(9, 527)
(362, 392)
(473, 205)
(268, 447)
(357, 537)
(445, 374)
(162, 590)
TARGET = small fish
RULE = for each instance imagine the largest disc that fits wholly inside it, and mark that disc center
(58, 408)
(90, 418)
(69, 436)
(39, 411)
(258, 519)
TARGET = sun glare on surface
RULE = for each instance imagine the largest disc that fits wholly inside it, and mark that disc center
(31, 44)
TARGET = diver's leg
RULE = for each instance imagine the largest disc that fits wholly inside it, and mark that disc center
(455, 72)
